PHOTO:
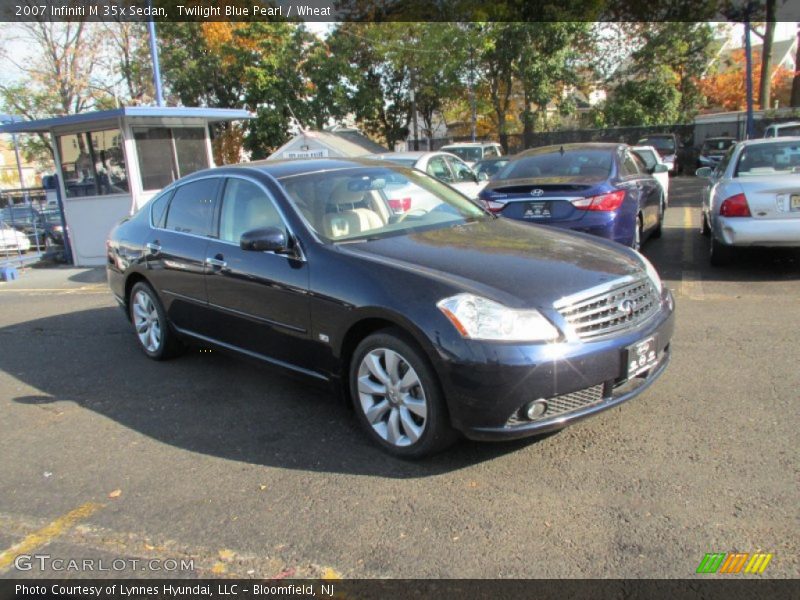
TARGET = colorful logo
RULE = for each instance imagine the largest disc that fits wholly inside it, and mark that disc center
(734, 562)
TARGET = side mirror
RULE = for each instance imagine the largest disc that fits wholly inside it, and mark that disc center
(264, 239)
(704, 172)
(660, 168)
(483, 176)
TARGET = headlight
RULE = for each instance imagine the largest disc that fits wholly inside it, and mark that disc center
(481, 319)
(651, 273)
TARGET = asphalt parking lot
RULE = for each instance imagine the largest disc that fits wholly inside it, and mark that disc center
(239, 470)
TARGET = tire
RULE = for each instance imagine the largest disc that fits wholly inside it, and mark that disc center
(399, 403)
(657, 230)
(636, 244)
(705, 230)
(153, 332)
(721, 254)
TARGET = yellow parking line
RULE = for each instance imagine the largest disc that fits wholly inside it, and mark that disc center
(46, 534)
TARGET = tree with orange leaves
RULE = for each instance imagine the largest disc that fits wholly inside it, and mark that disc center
(726, 89)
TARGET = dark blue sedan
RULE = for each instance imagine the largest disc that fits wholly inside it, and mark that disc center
(600, 189)
(434, 321)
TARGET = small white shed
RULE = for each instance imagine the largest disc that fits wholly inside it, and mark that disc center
(338, 143)
(110, 163)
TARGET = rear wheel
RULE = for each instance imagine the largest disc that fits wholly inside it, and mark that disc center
(705, 230)
(659, 226)
(721, 254)
(155, 337)
(397, 397)
(637, 234)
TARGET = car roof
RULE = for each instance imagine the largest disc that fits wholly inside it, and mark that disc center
(719, 137)
(786, 124)
(291, 167)
(644, 147)
(777, 140)
(571, 148)
(654, 135)
(470, 144)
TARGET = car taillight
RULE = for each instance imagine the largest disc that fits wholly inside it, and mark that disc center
(400, 205)
(604, 202)
(493, 206)
(735, 206)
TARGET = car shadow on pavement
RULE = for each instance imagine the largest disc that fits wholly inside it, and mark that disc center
(205, 401)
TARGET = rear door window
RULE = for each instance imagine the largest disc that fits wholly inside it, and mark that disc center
(192, 207)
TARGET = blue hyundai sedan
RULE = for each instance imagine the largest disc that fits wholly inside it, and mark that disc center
(600, 189)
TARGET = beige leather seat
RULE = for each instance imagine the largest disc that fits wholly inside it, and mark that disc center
(350, 217)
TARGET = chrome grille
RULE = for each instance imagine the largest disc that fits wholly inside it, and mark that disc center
(564, 404)
(623, 307)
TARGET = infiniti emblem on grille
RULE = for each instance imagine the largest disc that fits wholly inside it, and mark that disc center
(626, 307)
(537, 192)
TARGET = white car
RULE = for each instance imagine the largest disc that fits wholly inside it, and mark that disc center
(791, 128)
(472, 152)
(753, 197)
(12, 240)
(650, 157)
(447, 168)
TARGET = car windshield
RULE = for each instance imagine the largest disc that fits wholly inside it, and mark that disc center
(490, 167)
(468, 153)
(648, 157)
(558, 162)
(716, 145)
(368, 203)
(779, 158)
(663, 144)
(52, 216)
(17, 215)
(787, 131)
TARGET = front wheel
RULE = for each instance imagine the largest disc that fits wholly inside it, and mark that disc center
(660, 225)
(637, 234)
(705, 230)
(149, 320)
(397, 397)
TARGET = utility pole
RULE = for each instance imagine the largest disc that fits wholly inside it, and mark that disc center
(414, 110)
(151, 28)
(749, 71)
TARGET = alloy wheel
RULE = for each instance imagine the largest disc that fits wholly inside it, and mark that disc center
(392, 397)
(146, 321)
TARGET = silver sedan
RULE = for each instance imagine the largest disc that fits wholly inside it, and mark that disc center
(753, 197)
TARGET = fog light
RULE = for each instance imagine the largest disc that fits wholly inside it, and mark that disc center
(535, 409)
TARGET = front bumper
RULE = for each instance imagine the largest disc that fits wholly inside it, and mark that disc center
(744, 231)
(486, 392)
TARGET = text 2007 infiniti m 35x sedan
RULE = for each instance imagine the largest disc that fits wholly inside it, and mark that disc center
(433, 322)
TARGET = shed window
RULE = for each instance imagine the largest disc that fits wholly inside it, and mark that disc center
(93, 163)
(169, 153)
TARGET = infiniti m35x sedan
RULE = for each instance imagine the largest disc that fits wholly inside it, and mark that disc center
(432, 322)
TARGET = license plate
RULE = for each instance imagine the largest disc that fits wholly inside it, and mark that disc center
(642, 356)
(795, 202)
(537, 210)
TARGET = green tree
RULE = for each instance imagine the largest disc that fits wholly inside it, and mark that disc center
(652, 101)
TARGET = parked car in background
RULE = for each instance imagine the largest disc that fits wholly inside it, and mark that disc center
(650, 157)
(53, 227)
(792, 128)
(488, 167)
(667, 145)
(13, 240)
(444, 166)
(447, 321)
(27, 220)
(753, 197)
(472, 152)
(600, 189)
(713, 149)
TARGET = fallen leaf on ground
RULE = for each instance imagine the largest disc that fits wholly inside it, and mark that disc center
(115, 494)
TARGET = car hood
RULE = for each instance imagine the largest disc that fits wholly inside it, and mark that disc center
(517, 264)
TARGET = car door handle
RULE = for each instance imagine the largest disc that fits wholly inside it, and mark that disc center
(154, 247)
(216, 262)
